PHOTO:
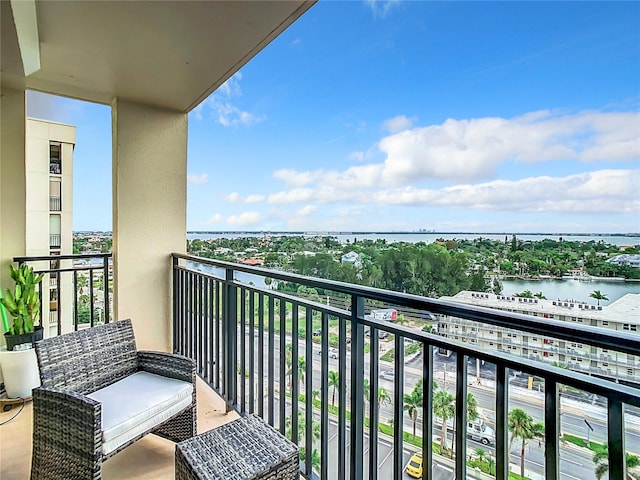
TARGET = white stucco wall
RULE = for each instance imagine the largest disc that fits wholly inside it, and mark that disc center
(149, 215)
(12, 181)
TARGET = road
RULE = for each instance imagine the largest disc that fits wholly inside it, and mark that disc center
(573, 464)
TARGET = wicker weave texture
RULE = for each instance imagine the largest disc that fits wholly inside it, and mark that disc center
(245, 449)
(88, 360)
(67, 425)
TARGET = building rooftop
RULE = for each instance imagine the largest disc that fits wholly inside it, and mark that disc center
(626, 308)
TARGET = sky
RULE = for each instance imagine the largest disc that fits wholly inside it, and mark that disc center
(406, 116)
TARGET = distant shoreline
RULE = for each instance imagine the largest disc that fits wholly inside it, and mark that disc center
(417, 232)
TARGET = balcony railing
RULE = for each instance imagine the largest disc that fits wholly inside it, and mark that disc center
(55, 203)
(80, 290)
(246, 337)
(54, 240)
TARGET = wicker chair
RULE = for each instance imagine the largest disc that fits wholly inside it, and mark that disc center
(68, 423)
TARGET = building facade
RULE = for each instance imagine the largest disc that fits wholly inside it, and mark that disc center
(49, 213)
(621, 315)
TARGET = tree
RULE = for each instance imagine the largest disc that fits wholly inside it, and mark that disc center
(412, 402)
(601, 459)
(445, 408)
(524, 294)
(497, 286)
(521, 426)
(598, 295)
(383, 397)
(334, 381)
(539, 296)
(472, 407)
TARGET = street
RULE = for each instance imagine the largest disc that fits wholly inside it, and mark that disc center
(575, 464)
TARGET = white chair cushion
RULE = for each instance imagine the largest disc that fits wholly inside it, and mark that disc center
(138, 403)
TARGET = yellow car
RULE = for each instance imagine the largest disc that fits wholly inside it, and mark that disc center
(414, 467)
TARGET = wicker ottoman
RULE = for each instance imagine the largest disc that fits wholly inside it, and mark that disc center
(245, 449)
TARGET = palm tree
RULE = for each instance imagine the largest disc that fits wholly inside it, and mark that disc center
(383, 397)
(334, 381)
(472, 407)
(445, 408)
(598, 295)
(412, 402)
(540, 296)
(521, 425)
(601, 459)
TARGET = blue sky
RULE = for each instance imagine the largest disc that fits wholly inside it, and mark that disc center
(399, 116)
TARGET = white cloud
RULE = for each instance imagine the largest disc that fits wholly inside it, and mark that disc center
(293, 178)
(380, 8)
(473, 149)
(307, 210)
(603, 191)
(216, 218)
(222, 104)
(468, 150)
(358, 156)
(235, 197)
(197, 179)
(245, 219)
(398, 124)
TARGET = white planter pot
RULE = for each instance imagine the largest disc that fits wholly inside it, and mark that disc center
(20, 372)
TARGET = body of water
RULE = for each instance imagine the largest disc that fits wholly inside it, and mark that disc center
(427, 237)
(571, 289)
(550, 288)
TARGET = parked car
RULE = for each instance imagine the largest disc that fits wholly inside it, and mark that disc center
(387, 375)
(333, 352)
(414, 467)
(317, 332)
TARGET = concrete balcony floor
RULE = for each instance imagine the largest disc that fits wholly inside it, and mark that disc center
(147, 459)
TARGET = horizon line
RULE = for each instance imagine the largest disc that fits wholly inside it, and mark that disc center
(390, 232)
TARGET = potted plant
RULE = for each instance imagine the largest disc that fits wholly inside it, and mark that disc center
(23, 304)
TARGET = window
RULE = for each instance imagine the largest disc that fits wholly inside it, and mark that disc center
(605, 323)
(630, 371)
(55, 158)
(55, 199)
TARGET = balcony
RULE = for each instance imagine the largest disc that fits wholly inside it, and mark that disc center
(237, 328)
(234, 326)
(55, 203)
(54, 240)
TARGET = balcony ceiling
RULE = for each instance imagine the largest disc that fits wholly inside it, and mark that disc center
(168, 54)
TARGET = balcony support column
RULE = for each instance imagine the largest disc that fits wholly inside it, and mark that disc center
(149, 216)
(13, 196)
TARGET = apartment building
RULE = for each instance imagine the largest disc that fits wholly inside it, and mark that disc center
(621, 315)
(49, 215)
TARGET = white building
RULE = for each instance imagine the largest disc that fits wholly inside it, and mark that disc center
(631, 260)
(623, 315)
(49, 214)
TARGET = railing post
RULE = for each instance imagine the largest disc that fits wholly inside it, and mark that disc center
(357, 386)
(174, 276)
(551, 423)
(105, 267)
(230, 357)
(427, 410)
(615, 440)
(502, 404)
(460, 419)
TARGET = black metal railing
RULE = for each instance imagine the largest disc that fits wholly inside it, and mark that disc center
(55, 203)
(77, 289)
(266, 350)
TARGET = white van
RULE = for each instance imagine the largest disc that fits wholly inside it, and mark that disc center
(477, 430)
